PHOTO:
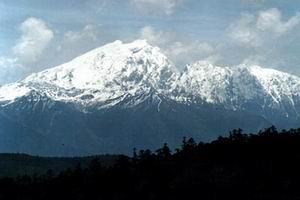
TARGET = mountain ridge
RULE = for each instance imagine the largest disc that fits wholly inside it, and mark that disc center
(118, 69)
(126, 95)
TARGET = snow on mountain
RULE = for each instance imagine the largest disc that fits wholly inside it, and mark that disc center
(12, 91)
(121, 96)
(277, 84)
(117, 71)
(105, 73)
(234, 86)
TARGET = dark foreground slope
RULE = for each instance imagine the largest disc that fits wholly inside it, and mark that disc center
(13, 165)
(263, 166)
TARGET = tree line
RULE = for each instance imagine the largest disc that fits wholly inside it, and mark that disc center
(265, 165)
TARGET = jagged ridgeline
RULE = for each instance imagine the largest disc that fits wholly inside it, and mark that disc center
(121, 96)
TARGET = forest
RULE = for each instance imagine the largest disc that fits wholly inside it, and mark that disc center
(244, 166)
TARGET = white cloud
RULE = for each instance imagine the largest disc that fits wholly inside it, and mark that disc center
(242, 31)
(253, 60)
(184, 53)
(271, 20)
(35, 38)
(165, 7)
(265, 38)
(88, 32)
(156, 37)
(179, 49)
(10, 70)
(181, 52)
(74, 43)
(253, 30)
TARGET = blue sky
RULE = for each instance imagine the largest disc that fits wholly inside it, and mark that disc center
(38, 34)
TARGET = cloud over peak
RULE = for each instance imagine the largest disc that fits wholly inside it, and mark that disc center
(271, 20)
(35, 38)
(180, 50)
(253, 30)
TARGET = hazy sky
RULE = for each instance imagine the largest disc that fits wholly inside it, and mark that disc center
(37, 34)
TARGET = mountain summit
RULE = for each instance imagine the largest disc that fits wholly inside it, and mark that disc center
(121, 96)
(105, 73)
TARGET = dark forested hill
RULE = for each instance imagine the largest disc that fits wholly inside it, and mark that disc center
(241, 166)
(12, 165)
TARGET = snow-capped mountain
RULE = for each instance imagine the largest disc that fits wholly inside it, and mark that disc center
(235, 87)
(106, 73)
(117, 70)
(121, 96)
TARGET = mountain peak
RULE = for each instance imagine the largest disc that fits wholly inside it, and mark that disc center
(114, 59)
(141, 43)
(131, 90)
(119, 69)
(118, 45)
(107, 72)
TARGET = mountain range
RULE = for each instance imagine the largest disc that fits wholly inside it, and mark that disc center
(125, 95)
